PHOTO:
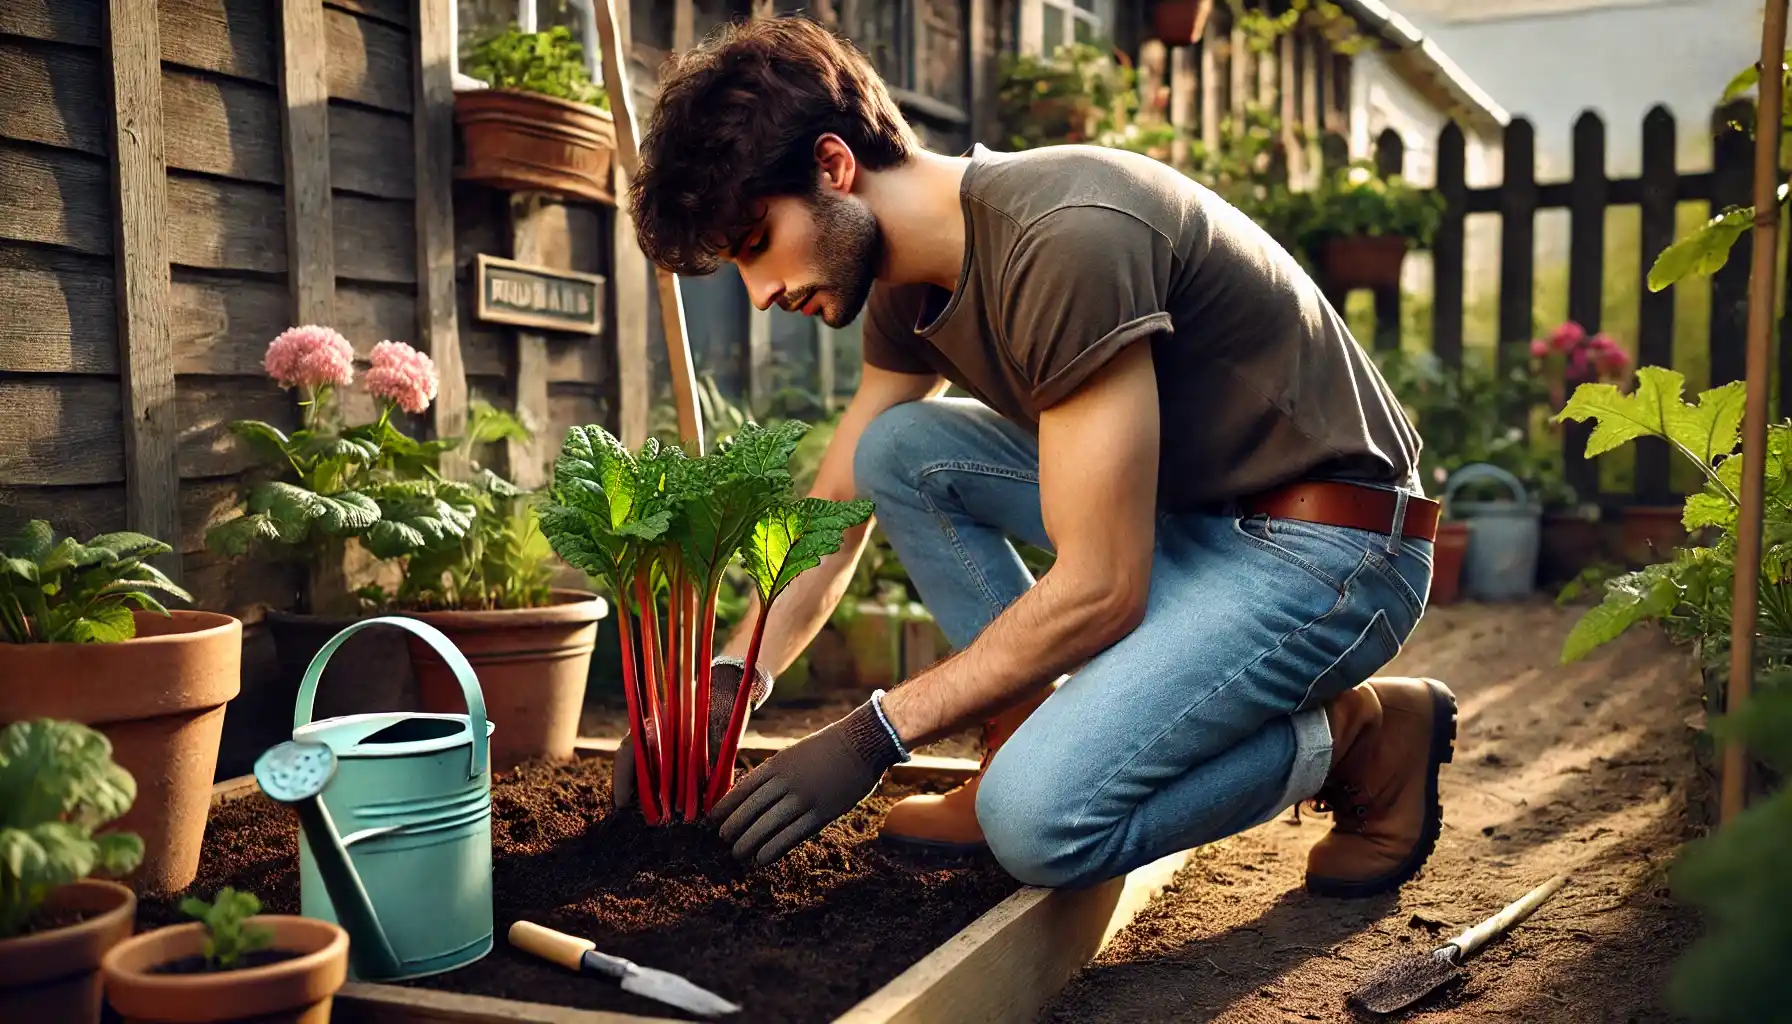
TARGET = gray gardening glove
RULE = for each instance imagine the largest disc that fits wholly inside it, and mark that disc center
(724, 683)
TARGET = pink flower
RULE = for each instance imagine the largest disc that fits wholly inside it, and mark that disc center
(1567, 336)
(310, 357)
(1577, 362)
(1539, 348)
(402, 375)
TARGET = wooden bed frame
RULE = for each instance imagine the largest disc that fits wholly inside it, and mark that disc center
(1001, 969)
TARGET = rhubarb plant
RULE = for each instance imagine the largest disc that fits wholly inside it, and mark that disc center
(62, 591)
(661, 529)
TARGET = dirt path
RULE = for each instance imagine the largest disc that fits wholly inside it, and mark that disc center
(1582, 768)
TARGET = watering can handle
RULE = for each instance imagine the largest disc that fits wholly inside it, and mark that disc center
(1483, 471)
(444, 647)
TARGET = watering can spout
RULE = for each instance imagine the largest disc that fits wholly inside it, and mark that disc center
(296, 773)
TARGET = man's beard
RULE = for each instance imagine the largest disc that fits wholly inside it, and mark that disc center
(850, 249)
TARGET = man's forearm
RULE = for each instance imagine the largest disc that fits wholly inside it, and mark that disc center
(1057, 625)
(801, 610)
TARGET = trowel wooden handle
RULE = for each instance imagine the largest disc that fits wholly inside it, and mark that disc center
(557, 947)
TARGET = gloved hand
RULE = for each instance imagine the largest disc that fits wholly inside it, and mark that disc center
(803, 787)
(724, 683)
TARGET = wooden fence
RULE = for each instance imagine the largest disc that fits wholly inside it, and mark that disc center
(1586, 196)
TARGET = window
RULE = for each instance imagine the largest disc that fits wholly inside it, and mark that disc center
(478, 19)
(1046, 25)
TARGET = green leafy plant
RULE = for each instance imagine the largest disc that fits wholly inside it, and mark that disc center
(62, 591)
(1357, 201)
(1079, 93)
(227, 934)
(58, 783)
(661, 530)
(551, 63)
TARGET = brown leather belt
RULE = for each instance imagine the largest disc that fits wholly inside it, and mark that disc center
(1335, 503)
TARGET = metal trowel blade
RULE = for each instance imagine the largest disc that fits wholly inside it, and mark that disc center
(1405, 982)
(673, 990)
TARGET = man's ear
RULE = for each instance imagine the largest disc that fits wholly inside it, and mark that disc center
(835, 164)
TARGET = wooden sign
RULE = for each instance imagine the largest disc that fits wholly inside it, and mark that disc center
(533, 296)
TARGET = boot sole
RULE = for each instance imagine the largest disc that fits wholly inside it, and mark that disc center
(1443, 751)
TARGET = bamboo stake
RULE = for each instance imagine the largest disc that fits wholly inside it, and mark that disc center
(1745, 597)
(678, 345)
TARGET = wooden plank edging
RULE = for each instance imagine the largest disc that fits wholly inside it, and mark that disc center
(1000, 969)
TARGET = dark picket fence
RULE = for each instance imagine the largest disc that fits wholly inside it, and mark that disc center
(1586, 196)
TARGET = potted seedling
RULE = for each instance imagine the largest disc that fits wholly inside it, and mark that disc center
(1358, 225)
(84, 638)
(660, 529)
(58, 784)
(490, 590)
(233, 963)
(542, 124)
(322, 494)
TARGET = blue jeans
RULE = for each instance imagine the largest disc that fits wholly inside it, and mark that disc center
(1205, 720)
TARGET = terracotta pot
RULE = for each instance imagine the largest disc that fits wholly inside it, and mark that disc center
(1180, 22)
(55, 975)
(1446, 562)
(1649, 533)
(1362, 261)
(1570, 543)
(518, 141)
(294, 991)
(160, 699)
(532, 664)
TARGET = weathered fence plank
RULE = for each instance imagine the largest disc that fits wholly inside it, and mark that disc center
(221, 126)
(1390, 160)
(1518, 237)
(231, 37)
(57, 21)
(305, 142)
(1732, 172)
(432, 129)
(1586, 278)
(1655, 313)
(60, 312)
(369, 61)
(54, 95)
(1447, 247)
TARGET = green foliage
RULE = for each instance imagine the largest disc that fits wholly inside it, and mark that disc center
(794, 537)
(227, 934)
(551, 63)
(62, 591)
(58, 783)
(1358, 200)
(1079, 93)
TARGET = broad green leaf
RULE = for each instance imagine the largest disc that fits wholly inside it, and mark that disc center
(269, 441)
(1745, 80)
(22, 568)
(33, 542)
(126, 545)
(1707, 509)
(290, 508)
(106, 624)
(348, 513)
(733, 487)
(1707, 248)
(119, 853)
(793, 537)
(1632, 598)
(237, 536)
(1706, 430)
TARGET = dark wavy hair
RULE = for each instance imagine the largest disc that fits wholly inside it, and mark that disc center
(736, 123)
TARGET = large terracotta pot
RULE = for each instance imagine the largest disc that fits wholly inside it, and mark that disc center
(1362, 261)
(160, 699)
(54, 975)
(532, 665)
(296, 990)
(1446, 562)
(519, 141)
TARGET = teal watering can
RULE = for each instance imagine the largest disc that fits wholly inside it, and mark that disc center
(395, 821)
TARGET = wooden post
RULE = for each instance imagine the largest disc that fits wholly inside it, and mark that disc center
(432, 128)
(684, 25)
(1518, 237)
(1390, 159)
(628, 294)
(140, 218)
(1210, 85)
(1588, 193)
(1729, 285)
(1182, 100)
(1446, 248)
(1655, 315)
(678, 347)
(527, 459)
(1762, 271)
(1309, 107)
(981, 55)
(305, 135)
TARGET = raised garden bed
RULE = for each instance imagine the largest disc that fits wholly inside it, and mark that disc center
(841, 929)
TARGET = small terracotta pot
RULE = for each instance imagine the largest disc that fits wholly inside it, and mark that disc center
(55, 975)
(1650, 533)
(1446, 562)
(519, 141)
(1569, 544)
(532, 664)
(159, 698)
(1362, 261)
(295, 991)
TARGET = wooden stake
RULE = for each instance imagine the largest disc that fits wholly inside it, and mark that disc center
(678, 346)
(1744, 598)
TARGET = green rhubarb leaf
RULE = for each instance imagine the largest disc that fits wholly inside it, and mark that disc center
(268, 441)
(104, 624)
(793, 537)
(741, 480)
(1704, 431)
(237, 536)
(1708, 509)
(1634, 597)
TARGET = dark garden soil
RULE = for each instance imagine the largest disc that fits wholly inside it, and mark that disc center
(802, 940)
(1581, 768)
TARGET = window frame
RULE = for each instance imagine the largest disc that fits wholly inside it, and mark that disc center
(1030, 31)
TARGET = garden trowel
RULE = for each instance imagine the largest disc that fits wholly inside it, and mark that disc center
(1412, 978)
(581, 955)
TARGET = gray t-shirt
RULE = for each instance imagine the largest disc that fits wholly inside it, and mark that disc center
(1074, 252)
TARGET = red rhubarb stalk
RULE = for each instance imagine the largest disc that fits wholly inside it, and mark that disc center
(699, 752)
(650, 655)
(674, 693)
(723, 776)
(650, 806)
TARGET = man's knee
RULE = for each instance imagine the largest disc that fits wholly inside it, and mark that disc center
(891, 451)
(1033, 830)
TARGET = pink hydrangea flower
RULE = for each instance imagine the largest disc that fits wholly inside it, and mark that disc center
(1567, 336)
(1539, 348)
(402, 375)
(310, 357)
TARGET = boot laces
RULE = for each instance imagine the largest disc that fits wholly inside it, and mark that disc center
(1344, 802)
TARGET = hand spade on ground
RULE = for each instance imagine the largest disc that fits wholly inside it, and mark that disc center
(581, 955)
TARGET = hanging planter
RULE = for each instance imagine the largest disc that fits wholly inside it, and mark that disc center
(1363, 261)
(1358, 225)
(542, 126)
(1180, 22)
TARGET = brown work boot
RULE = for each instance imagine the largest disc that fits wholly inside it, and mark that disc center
(1389, 735)
(948, 821)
